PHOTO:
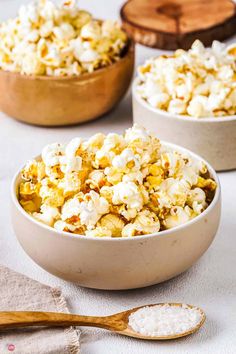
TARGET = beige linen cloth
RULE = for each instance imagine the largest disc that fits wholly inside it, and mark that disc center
(20, 293)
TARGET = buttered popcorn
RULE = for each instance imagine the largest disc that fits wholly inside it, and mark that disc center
(47, 39)
(200, 82)
(115, 186)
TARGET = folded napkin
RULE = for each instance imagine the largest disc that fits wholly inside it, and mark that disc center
(20, 293)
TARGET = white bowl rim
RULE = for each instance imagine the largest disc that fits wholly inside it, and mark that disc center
(125, 239)
(177, 116)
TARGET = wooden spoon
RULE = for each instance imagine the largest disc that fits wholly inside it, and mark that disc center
(118, 323)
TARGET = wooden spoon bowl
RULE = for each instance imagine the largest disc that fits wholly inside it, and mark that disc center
(54, 101)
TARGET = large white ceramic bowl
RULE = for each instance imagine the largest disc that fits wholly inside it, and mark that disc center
(213, 138)
(117, 263)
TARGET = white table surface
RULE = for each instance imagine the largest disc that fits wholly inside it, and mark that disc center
(211, 283)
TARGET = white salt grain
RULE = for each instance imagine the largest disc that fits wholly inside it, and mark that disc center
(165, 320)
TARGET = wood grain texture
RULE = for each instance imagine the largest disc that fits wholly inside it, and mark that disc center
(118, 322)
(172, 24)
(55, 101)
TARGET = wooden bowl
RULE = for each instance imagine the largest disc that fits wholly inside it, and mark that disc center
(173, 24)
(212, 138)
(117, 263)
(54, 101)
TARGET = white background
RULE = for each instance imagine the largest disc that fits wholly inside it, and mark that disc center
(211, 283)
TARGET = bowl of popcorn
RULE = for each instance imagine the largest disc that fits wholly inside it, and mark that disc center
(116, 211)
(189, 98)
(57, 59)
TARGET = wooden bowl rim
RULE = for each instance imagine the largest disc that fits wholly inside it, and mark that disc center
(129, 54)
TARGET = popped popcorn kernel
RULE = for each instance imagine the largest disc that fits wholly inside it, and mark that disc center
(47, 214)
(199, 82)
(113, 223)
(99, 232)
(146, 222)
(34, 170)
(115, 186)
(58, 40)
(177, 216)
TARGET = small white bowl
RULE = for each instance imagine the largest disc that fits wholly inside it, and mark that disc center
(117, 263)
(213, 138)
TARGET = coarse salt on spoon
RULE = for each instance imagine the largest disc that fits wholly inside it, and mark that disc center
(151, 322)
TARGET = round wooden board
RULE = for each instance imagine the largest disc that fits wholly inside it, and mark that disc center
(172, 24)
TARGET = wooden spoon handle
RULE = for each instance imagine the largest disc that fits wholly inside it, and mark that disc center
(16, 319)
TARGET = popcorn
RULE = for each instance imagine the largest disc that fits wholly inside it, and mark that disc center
(197, 200)
(63, 226)
(71, 162)
(113, 223)
(115, 186)
(71, 208)
(197, 106)
(34, 171)
(112, 144)
(92, 208)
(146, 222)
(199, 82)
(47, 215)
(52, 153)
(127, 193)
(177, 106)
(91, 31)
(173, 192)
(126, 160)
(46, 29)
(177, 216)
(53, 40)
(96, 179)
(82, 18)
(171, 162)
(99, 232)
(71, 183)
(48, 53)
(64, 32)
(29, 196)
(50, 193)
